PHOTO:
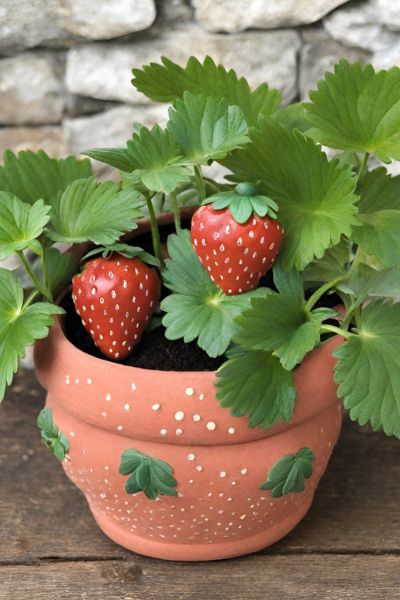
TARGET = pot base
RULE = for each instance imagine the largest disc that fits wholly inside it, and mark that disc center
(200, 552)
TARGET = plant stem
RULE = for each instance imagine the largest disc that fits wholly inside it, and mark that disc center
(313, 299)
(177, 216)
(200, 182)
(40, 288)
(46, 275)
(362, 167)
(155, 234)
(30, 298)
(337, 330)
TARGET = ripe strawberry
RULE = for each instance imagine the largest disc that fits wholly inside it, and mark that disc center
(236, 237)
(115, 298)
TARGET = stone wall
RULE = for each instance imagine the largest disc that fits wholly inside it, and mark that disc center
(65, 65)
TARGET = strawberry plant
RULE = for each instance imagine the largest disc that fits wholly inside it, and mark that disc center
(295, 245)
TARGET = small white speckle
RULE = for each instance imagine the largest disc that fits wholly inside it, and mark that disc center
(127, 407)
(133, 387)
(191, 457)
(71, 433)
(67, 380)
(201, 397)
(196, 418)
(242, 517)
(234, 482)
(189, 391)
(211, 426)
(180, 415)
(231, 430)
(179, 431)
(108, 397)
(271, 246)
(156, 406)
(199, 468)
(120, 428)
(222, 474)
(103, 414)
(77, 380)
(89, 381)
(93, 292)
(239, 241)
(251, 234)
(163, 431)
(243, 471)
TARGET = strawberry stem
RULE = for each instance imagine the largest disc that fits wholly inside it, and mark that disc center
(41, 289)
(177, 216)
(155, 234)
(200, 182)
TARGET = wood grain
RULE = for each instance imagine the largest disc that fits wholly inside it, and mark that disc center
(348, 546)
(308, 577)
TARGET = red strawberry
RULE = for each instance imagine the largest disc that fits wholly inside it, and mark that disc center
(234, 238)
(115, 298)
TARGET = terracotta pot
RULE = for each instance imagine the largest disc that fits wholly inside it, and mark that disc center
(219, 462)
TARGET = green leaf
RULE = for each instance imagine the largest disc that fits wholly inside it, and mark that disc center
(20, 223)
(254, 383)
(369, 282)
(315, 196)
(153, 158)
(61, 267)
(379, 217)
(51, 436)
(87, 211)
(293, 116)
(206, 128)
(20, 325)
(33, 176)
(198, 308)
(169, 81)
(289, 473)
(358, 109)
(368, 368)
(330, 266)
(147, 474)
(288, 282)
(280, 324)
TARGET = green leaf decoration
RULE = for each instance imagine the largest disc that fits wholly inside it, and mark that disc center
(169, 81)
(315, 197)
(254, 383)
(125, 250)
(367, 282)
(33, 176)
(20, 325)
(51, 436)
(379, 217)
(147, 474)
(368, 368)
(87, 211)
(279, 323)
(20, 223)
(289, 473)
(330, 266)
(358, 109)
(206, 128)
(242, 202)
(197, 308)
(152, 156)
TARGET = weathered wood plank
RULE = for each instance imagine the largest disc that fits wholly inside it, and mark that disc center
(42, 515)
(306, 577)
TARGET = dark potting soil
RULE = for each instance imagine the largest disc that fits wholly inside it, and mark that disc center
(153, 352)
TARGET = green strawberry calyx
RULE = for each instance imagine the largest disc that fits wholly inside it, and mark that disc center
(243, 201)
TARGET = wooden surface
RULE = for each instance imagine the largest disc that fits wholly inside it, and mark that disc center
(347, 547)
